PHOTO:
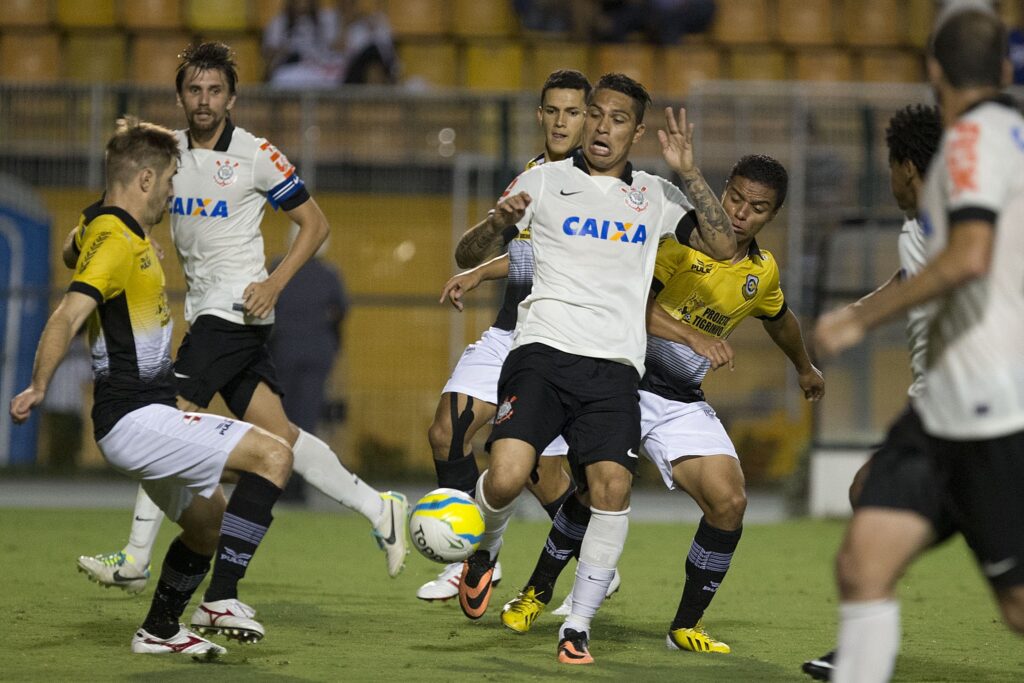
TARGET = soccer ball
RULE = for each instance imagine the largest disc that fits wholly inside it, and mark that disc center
(446, 526)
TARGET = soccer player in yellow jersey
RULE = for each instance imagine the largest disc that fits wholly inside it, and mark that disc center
(179, 457)
(696, 302)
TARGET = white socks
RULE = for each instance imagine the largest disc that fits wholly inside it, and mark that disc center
(869, 639)
(495, 520)
(319, 466)
(602, 547)
(146, 521)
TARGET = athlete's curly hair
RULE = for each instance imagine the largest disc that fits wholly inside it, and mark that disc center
(913, 135)
(204, 57)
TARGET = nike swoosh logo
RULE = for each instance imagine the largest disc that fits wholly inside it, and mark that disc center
(631, 454)
(144, 519)
(391, 538)
(181, 376)
(994, 569)
(569, 194)
(475, 597)
(121, 579)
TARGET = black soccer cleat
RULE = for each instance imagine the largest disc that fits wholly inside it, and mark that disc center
(821, 669)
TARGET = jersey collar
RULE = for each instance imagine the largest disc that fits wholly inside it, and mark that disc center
(120, 214)
(1001, 99)
(580, 162)
(223, 141)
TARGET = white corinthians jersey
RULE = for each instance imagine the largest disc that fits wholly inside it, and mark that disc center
(913, 256)
(975, 361)
(595, 239)
(216, 211)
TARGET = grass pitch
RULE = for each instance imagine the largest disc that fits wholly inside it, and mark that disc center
(332, 614)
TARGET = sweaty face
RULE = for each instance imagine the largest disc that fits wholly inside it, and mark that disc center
(206, 99)
(561, 118)
(610, 130)
(750, 206)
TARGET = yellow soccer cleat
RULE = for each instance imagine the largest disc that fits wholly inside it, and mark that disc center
(695, 639)
(519, 614)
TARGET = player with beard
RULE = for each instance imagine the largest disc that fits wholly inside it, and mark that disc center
(225, 179)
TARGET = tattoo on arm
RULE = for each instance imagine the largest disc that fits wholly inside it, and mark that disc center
(478, 244)
(713, 223)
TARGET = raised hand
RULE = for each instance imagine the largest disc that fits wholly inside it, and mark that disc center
(677, 143)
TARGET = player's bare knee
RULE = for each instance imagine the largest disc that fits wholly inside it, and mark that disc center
(727, 511)
(611, 494)
(440, 437)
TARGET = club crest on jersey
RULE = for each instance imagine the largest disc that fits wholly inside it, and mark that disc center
(636, 199)
(750, 287)
(612, 231)
(505, 410)
(199, 206)
(225, 174)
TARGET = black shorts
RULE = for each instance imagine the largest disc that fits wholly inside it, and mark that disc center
(968, 486)
(221, 356)
(594, 403)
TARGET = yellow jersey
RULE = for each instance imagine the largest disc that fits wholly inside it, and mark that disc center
(710, 296)
(130, 330)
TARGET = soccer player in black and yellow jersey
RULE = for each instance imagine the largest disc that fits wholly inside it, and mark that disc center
(179, 457)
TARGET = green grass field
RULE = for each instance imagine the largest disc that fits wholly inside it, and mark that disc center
(333, 615)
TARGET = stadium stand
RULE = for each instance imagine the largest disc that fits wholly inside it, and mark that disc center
(823, 64)
(805, 22)
(94, 56)
(164, 15)
(217, 15)
(23, 13)
(741, 22)
(30, 56)
(154, 57)
(483, 19)
(874, 23)
(685, 65)
(633, 59)
(891, 66)
(544, 56)
(493, 65)
(432, 63)
(418, 17)
(74, 14)
(757, 64)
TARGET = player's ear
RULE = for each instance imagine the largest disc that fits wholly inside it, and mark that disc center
(639, 133)
(231, 101)
(540, 116)
(146, 179)
(910, 171)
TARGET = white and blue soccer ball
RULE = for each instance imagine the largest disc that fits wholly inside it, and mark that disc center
(446, 526)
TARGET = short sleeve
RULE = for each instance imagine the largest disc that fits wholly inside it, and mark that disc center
(670, 255)
(531, 182)
(978, 170)
(677, 205)
(771, 303)
(104, 264)
(275, 176)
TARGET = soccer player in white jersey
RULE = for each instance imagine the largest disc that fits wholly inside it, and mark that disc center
(970, 412)
(179, 457)
(578, 350)
(226, 177)
(469, 398)
(912, 137)
(696, 303)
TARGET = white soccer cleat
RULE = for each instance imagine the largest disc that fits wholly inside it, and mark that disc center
(446, 585)
(230, 618)
(184, 642)
(389, 531)
(116, 570)
(565, 609)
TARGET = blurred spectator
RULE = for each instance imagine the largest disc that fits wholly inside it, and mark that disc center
(299, 46)
(1017, 54)
(615, 21)
(367, 47)
(307, 337)
(63, 407)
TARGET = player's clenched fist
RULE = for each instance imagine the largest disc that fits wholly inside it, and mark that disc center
(509, 210)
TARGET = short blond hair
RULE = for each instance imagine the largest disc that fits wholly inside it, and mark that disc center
(136, 145)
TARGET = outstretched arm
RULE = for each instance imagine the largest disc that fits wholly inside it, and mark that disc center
(483, 240)
(461, 284)
(60, 329)
(967, 256)
(716, 237)
(785, 332)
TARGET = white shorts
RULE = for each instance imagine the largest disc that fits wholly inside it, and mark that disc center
(670, 430)
(477, 372)
(176, 455)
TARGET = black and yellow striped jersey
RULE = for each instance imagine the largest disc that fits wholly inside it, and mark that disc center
(130, 330)
(711, 296)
